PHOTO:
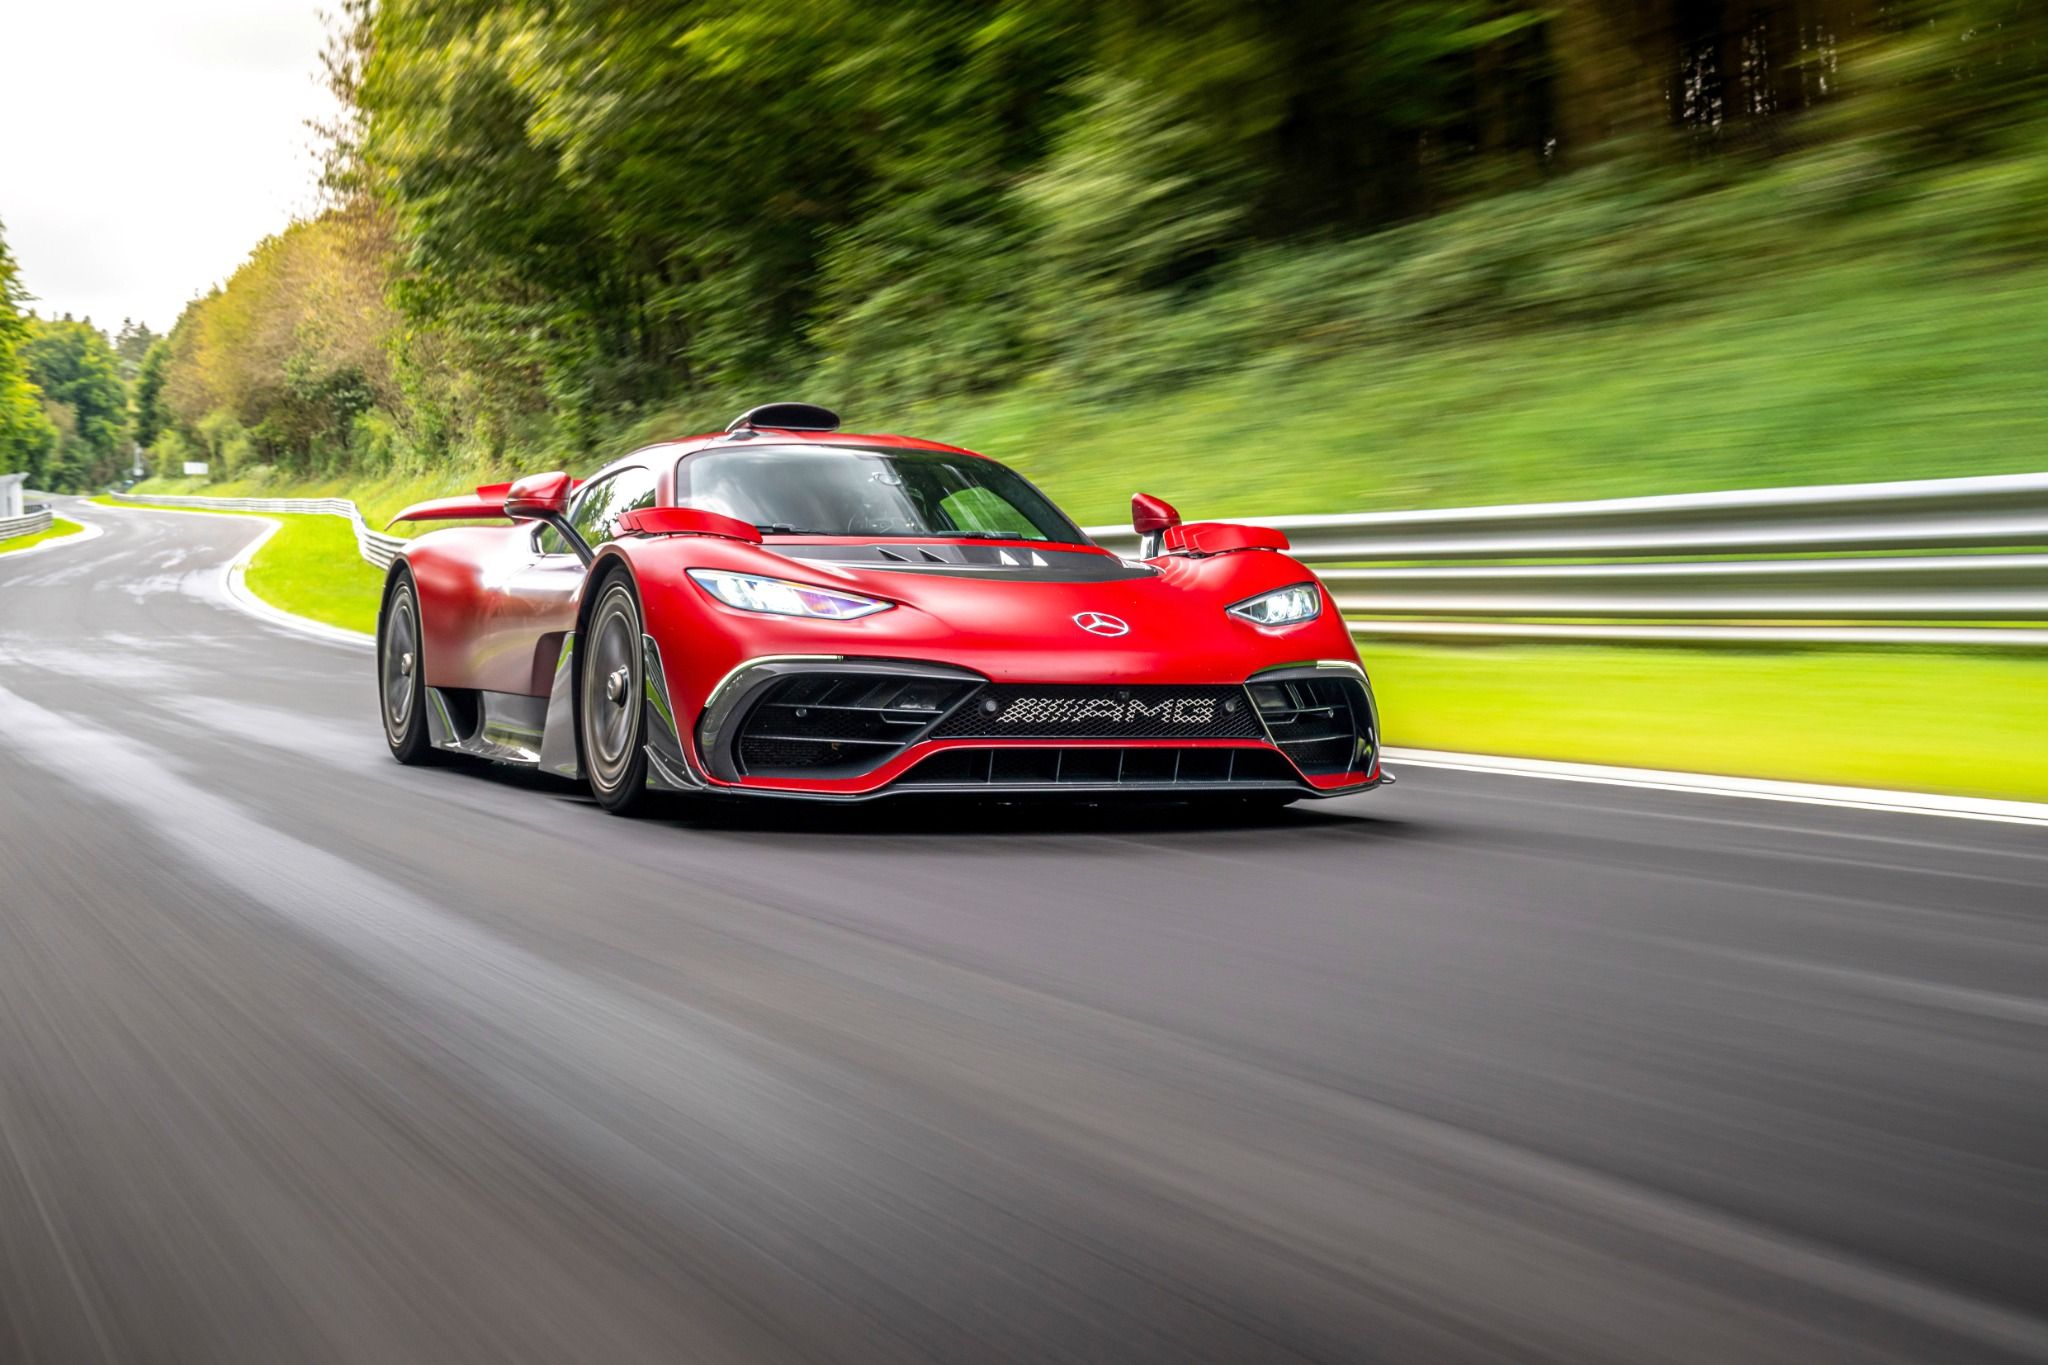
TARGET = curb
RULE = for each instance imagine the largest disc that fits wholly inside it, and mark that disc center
(1749, 788)
(240, 594)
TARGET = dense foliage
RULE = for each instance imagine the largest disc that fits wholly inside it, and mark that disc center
(26, 432)
(280, 363)
(553, 218)
(79, 375)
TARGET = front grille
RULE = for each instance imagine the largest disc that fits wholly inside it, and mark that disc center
(1102, 766)
(1323, 724)
(839, 724)
(1139, 711)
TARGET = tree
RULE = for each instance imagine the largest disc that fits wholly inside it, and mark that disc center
(80, 377)
(26, 434)
(291, 350)
(131, 344)
(147, 393)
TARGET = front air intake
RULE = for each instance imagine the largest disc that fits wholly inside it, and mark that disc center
(838, 724)
(1103, 768)
(1323, 722)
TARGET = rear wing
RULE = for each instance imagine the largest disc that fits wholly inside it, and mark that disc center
(486, 504)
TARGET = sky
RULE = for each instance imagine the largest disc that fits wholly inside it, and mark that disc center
(147, 145)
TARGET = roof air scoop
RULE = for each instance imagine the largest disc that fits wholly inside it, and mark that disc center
(786, 417)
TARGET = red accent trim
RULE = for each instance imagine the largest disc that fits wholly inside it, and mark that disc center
(1221, 538)
(487, 503)
(916, 753)
(482, 505)
(687, 521)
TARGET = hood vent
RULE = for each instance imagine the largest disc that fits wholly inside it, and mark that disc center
(1006, 563)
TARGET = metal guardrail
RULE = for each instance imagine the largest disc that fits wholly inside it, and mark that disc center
(1648, 568)
(1662, 568)
(1995, 510)
(28, 525)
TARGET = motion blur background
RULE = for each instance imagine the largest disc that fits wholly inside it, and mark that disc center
(1256, 258)
(308, 1056)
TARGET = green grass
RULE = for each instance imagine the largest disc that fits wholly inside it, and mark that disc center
(311, 568)
(57, 529)
(1968, 724)
(1846, 376)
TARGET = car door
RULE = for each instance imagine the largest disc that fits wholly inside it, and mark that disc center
(534, 605)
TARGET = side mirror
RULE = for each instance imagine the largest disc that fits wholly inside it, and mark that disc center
(1150, 518)
(539, 497)
(545, 497)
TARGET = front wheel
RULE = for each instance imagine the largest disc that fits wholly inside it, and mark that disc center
(401, 677)
(611, 717)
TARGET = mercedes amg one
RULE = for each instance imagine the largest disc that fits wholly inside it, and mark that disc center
(784, 610)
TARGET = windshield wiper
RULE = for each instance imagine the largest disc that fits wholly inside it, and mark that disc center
(985, 535)
(779, 528)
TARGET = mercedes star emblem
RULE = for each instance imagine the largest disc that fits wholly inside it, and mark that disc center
(1101, 623)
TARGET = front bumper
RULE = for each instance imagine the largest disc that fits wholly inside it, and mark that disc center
(829, 728)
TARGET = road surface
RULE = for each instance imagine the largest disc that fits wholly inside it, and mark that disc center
(308, 1057)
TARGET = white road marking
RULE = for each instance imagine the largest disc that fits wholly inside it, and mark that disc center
(1751, 788)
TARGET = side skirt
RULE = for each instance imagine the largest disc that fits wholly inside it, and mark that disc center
(501, 726)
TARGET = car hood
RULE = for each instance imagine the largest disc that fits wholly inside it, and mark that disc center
(1037, 593)
(1019, 621)
(1008, 562)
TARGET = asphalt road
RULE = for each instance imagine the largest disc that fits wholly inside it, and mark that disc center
(308, 1057)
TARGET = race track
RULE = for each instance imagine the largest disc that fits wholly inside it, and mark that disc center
(305, 1056)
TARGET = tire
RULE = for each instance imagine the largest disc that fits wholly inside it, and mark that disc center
(611, 710)
(401, 673)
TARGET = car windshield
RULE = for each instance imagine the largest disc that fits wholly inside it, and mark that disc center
(849, 491)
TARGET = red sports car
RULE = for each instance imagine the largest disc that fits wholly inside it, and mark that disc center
(785, 610)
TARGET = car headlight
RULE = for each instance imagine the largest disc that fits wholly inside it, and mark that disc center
(777, 597)
(1282, 606)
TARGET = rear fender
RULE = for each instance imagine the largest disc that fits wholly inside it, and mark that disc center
(492, 608)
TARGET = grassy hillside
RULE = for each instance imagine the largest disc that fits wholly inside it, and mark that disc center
(1858, 371)
(1848, 375)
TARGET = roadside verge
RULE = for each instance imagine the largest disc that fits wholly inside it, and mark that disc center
(301, 584)
(61, 531)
